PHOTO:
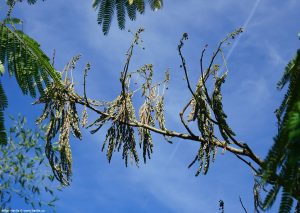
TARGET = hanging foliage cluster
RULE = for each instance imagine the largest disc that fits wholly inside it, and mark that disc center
(60, 108)
(122, 115)
(207, 109)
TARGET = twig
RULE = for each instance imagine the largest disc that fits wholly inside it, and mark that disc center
(126, 67)
(204, 78)
(242, 204)
(184, 37)
(87, 68)
(182, 119)
(247, 162)
(187, 78)
(224, 60)
(244, 149)
(221, 206)
(11, 7)
(53, 57)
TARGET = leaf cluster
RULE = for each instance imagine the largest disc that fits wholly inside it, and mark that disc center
(107, 8)
(22, 58)
(281, 167)
(24, 173)
(11, 2)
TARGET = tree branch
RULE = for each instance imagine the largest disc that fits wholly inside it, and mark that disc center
(175, 134)
(248, 163)
(184, 37)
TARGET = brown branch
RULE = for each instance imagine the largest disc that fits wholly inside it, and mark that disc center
(244, 149)
(235, 141)
(187, 78)
(204, 78)
(248, 163)
(192, 137)
(87, 68)
(171, 133)
(126, 67)
(129, 55)
(184, 37)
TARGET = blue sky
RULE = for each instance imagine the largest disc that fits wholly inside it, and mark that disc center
(256, 61)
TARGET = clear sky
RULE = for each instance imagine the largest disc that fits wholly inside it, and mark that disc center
(256, 61)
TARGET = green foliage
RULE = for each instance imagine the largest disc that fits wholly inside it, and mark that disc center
(107, 8)
(24, 173)
(271, 196)
(22, 58)
(3, 105)
(10, 2)
(1, 68)
(281, 166)
(26, 61)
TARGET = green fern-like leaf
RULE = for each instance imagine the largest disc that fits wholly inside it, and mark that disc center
(10, 2)
(3, 105)
(131, 11)
(140, 5)
(1, 68)
(271, 197)
(288, 135)
(286, 203)
(292, 65)
(24, 60)
(106, 11)
(101, 10)
(155, 4)
(108, 15)
(281, 166)
(120, 6)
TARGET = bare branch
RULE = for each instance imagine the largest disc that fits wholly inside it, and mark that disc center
(248, 163)
(121, 113)
(205, 76)
(87, 68)
(242, 204)
(183, 64)
(175, 134)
